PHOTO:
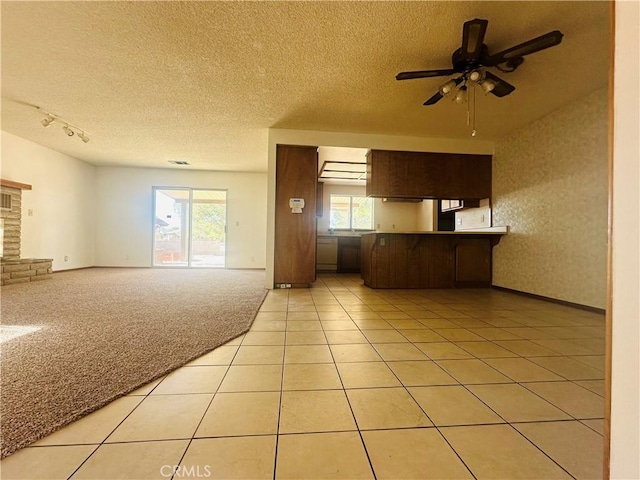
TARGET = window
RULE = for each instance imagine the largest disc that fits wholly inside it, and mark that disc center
(351, 212)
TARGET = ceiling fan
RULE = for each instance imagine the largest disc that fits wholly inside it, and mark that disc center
(472, 58)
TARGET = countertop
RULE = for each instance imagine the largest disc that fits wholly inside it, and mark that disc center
(479, 231)
(338, 235)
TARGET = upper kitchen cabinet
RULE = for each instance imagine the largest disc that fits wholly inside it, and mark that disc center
(428, 175)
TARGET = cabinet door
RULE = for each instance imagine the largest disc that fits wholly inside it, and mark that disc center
(349, 255)
(396, 174)
(295, 233)
(473, 262)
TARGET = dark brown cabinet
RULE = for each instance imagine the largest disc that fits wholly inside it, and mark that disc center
(348, 255)
(473, 262)
(295, 233)
(403, 260)
(428, 175)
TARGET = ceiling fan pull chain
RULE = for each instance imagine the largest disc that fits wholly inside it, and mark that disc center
(473, 126)
(468, 112)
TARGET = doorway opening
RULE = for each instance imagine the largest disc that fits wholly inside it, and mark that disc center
(189, 228)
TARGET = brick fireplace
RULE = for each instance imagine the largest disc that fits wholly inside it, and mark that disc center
(14, 268)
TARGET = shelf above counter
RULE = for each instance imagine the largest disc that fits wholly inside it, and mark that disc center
(479, 231)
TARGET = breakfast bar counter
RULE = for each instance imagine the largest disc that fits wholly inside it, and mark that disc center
(429, 259)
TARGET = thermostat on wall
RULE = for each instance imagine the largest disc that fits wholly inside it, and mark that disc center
(296, 205)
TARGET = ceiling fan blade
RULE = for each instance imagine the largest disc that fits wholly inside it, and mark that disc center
(473, 39)
(547, 40)
(501, 88)
(434, 99)
(424, 74)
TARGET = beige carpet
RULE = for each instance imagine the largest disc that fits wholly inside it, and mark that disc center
(102, 332)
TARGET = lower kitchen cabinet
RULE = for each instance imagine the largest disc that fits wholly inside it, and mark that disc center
(348, 255)
(473, 262)
(427, 260)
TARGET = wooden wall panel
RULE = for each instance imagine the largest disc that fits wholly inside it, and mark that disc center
(366, 256)
(295, 233)
(427, 261)
(473, 261)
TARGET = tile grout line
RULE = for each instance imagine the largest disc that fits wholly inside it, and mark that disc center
(353, 415)
(115, 428)
(275, 452)
(206, 410)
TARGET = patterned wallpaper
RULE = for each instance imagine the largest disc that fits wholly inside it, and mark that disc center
(550, 187)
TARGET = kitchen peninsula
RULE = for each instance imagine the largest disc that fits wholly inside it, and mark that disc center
(429, 259)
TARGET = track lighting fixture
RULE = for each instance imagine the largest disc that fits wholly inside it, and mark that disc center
(69, 129)
(48, 120)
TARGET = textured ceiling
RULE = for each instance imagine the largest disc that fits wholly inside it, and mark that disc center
(203, 81)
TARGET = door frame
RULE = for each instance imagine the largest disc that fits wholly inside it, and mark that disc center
(189, 229)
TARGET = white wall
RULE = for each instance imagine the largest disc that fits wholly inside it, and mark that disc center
(550, 186)
(355, 140)
(427, 216)
(124, 212)
(625, 261)
(397, 216)
(62, 200)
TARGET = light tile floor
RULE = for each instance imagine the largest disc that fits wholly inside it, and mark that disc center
(342, 381)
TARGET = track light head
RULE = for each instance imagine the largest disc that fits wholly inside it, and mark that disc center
(48, 120)
(68, 128)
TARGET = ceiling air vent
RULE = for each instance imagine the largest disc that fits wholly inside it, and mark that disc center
(179, 162)
(6, 201)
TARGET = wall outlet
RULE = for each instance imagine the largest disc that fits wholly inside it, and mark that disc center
(66, 258)
(383, 242)
(30, 212)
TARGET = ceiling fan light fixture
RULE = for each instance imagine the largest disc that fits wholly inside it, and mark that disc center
(68, 131)
(488, 86)
(461, 96)
(447, 88)
(475, 76)
(83, 137)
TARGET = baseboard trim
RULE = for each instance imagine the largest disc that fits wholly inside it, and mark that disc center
(72, 269)
(579, 306)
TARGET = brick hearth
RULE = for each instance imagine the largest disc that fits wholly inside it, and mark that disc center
(14, 268)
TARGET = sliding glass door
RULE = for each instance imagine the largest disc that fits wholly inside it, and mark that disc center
(189, 227)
